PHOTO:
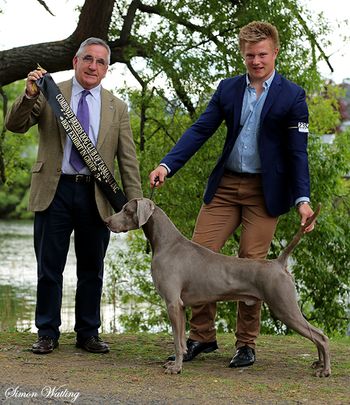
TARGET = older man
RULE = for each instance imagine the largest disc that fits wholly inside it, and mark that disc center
(64, 196)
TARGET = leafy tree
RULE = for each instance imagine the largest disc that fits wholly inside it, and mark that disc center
(18, 154)
(179, 47)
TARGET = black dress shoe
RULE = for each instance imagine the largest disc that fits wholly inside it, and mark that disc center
(245, 356)
(93, 344)
(194, 348)
(44, 345)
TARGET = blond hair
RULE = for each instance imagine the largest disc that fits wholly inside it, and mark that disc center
(257, 31)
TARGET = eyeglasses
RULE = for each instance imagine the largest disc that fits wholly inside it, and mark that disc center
(88, 59)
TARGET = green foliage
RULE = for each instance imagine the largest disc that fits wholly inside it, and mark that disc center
(129, 287)
(19, 152)
(194, 44)
(324, 109)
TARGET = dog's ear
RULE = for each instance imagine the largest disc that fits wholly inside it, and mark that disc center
(145, 209)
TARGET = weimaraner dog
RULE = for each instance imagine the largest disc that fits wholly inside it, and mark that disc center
(187, 274)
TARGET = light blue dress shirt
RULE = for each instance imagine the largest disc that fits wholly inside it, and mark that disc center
(245, 153)
(94, 103)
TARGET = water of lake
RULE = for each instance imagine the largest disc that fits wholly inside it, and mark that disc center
(18, 282)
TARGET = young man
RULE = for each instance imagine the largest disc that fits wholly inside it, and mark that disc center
(65, 197)
(261, 173)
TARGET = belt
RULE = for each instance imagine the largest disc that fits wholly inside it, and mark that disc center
(241, 174)
(78, 178)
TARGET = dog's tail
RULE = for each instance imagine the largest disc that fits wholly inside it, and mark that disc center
(282, 258)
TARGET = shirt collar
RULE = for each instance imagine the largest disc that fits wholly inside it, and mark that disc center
(78, 88)
(266, 84)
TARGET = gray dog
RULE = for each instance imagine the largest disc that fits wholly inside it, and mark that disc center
(187, 274)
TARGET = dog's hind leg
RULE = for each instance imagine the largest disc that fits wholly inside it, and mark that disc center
(295, 320)
(323, 365)
(176, 313)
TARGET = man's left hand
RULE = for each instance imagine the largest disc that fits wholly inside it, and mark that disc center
(305, 212)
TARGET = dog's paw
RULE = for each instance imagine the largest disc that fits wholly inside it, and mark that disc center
(172, 368)
(322, 372)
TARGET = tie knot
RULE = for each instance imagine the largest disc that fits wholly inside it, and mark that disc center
(85, 93)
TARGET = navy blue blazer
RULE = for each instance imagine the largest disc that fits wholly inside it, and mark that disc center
(282, 140)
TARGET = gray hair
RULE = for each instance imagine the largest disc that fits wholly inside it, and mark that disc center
(94, 41)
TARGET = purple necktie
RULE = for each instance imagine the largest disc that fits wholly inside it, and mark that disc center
(83, 116)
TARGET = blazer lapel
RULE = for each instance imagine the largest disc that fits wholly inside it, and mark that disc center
(239, 90)
(66, 90)
(271, 96)
(107, 113)
(232, 100)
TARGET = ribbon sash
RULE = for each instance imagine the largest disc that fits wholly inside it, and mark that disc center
(93, 160)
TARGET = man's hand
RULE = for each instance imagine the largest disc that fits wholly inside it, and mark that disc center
(157, 177)
(305, 212)
(32, 89)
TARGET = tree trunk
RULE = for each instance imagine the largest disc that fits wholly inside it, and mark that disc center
(94, 21)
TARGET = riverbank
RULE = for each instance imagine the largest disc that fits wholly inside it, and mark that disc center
(132, 373)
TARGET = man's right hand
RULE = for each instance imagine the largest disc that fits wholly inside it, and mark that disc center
(32, 89)
(157, 177)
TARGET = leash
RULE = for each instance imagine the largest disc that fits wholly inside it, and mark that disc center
(156, 180)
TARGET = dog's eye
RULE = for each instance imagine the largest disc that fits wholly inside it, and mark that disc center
(128, 212)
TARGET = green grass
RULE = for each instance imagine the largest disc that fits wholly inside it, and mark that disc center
(133, 371)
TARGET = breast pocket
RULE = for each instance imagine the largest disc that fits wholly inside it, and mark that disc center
(37, 167)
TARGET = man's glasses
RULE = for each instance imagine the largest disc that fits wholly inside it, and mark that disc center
(88, 59)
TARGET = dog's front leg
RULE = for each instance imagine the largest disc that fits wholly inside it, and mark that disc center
(176, 313)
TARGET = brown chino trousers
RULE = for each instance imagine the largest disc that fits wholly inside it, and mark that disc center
(238, 201)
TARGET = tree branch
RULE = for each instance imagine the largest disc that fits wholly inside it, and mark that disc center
(179, 20)
(94, 20)
(310, 34)
(45, 6)
(128, 22)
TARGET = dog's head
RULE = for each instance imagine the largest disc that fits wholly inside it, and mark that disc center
(133, 215)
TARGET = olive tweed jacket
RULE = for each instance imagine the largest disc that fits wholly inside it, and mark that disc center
(115, 142)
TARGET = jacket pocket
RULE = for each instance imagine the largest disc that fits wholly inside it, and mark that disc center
(37, 167)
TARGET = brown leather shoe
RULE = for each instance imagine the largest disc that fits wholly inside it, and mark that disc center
(93, 344)
(44, 345)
